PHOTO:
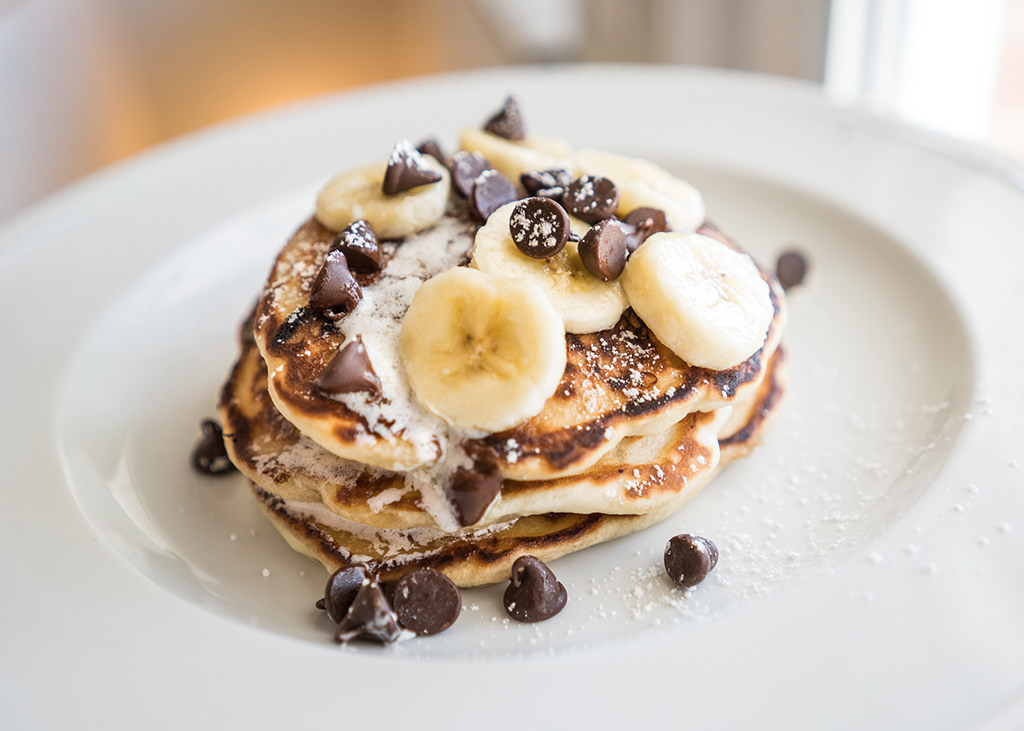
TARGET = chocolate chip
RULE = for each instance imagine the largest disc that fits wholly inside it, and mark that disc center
(472, 490)
(210, 456)
(358, 243)
(603, 249)
(466, 168)
(546, 183)
(341, 590)
(689, 559)
(407, 169)
(491, 192)
(426, 602)
(507, 122)
(591, 198)
(791, 268)
(430, 146)
(369, 617)
(645, 222)
(350, 371)
(534, 593)
(335, 291)
(539, 227)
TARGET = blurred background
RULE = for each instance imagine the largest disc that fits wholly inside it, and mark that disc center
(84, 83)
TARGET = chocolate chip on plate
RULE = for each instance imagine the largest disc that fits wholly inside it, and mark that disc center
(430, 146)
(603, 249)
(689, 559)
(335, 291)
(466, 168)
(369, 617)
(546, 183)
(407, 169)
(591, 198)
(426, 602)
(507, 122)
(539, 227)
(350, 371)
(645, 222)
(491, 192)
(210, 456)
(341, 590)
(358, 242)
(472, 490)
(533, 594)
(791, 268)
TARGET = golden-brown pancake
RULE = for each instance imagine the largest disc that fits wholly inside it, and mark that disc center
(476, 556)
(636, 476)
(617, 383)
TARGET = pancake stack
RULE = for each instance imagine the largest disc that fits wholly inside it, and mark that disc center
(417, 387)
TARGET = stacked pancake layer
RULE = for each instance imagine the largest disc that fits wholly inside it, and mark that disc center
(630, 433)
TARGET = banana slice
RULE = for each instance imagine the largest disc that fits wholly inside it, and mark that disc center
(482, 352)
(357, 194)
(642, 183)
(584, 303)
(515, 158)
(705, 301)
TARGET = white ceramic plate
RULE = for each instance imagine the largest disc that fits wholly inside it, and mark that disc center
(870, 567)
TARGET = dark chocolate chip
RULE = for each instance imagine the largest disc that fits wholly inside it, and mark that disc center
(534, 594)
(335, 291)
(491, 192)
(341, 590)
(426, 602)
(791, 268)
(539, 227)
(369, 617)
(472, 490)
(591, 198)
(507, 122)
(358, 243)
(603, 249)
(644, 223)
(546, 183)
(407, 169)
(689, 559)
(466, 168)
(430, 146)
(210, 456)
(350, 371)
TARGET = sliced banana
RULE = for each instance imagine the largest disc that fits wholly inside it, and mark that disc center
(643, 184)
(705, 301)
(584, 303)
(357, 194)
(482, 352)
(515, 158)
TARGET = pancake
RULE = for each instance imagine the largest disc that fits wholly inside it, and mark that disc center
(635, 477)
(475, 556)
(617, 383)
(355, 468)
